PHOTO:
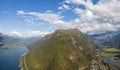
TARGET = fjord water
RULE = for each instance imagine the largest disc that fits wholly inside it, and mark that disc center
(10, 57)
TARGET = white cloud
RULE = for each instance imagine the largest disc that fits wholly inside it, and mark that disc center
(103, 16)
(48, 11)
(89, 14)
(78, 11)
(64, 7)
(15, 33)
(28, 33)
(76, 1)
(67, 1)
(52, 18)
(47, 16)
(35, 33)
(21, 12)
(60, 8)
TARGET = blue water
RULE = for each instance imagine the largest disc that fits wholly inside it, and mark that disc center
(10, 58)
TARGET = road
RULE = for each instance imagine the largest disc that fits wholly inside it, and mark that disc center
(25, 62)
(113, 63)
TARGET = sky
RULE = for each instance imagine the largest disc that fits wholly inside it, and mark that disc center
(40, 17)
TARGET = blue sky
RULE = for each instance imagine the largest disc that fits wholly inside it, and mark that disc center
(10, 21)
(90, 16)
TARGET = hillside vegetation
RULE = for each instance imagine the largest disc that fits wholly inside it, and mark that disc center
(109, 51)
(64, 50)
(112, 50)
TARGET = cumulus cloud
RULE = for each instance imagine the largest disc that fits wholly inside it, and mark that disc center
(21, 12)
(103, 16)
(47, 16)
(60, 8)
(64, 7)
(52, 18)
(95, 18)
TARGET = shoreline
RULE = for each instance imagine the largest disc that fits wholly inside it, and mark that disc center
(21, 61)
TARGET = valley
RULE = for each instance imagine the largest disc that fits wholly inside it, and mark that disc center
(66, 50)
(59, 34)
(54, 53)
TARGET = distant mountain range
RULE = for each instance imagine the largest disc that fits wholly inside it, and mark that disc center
(110, 38)
(12, 40)
(114, 42)
(62, 50)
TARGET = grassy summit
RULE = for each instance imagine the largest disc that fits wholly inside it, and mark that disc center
(64, 50)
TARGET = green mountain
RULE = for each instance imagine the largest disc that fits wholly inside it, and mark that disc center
(39, 42)
(62, 50)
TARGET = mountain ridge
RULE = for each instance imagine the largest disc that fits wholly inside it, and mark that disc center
(104, 39)
(64, 50)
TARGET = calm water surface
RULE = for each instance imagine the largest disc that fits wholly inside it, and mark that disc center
(10, 58)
